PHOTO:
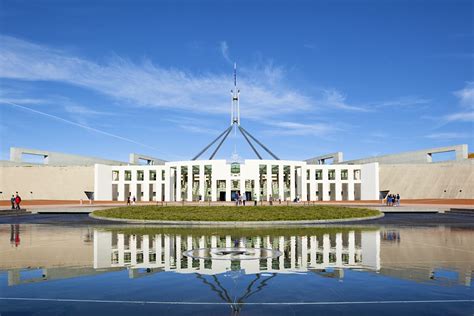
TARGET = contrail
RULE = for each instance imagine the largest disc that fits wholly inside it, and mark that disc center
(80, 125)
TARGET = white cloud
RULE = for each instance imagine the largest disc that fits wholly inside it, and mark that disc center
(225, 51)
(447, 136)
(334, 99)
(86, 127)
(10, 95)
(466, 101)
(264, 92)
(403, 102)
(466, 95)
(193, 125)
(301, 129)
(460, 117)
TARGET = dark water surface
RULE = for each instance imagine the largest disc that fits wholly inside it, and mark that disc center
(358, 270)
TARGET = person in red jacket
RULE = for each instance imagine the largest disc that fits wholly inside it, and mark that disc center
(17, 201)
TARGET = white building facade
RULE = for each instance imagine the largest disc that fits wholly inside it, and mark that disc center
(218, 180)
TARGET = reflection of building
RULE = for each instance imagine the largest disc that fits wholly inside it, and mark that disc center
(438, 255)
(299, 253)
(425, 254)
(21, 276)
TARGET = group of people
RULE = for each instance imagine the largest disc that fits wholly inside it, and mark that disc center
(15, 200)
(393, 200)
(240, 199)
(130, 201)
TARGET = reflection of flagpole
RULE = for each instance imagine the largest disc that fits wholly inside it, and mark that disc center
(236, 305)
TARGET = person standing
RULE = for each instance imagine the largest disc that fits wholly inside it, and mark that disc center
(12, 200)
(134, 200)
(244, 198)
(17, 201)
(128, 200)
(398, 199)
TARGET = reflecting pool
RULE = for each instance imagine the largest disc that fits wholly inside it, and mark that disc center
(59, 270)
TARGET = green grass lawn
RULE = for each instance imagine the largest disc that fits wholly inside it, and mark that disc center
(235, 214)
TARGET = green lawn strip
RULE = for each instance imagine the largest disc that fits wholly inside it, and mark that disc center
(235, 214)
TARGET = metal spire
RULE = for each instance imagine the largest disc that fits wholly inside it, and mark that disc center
(235, 107)
(235, 124)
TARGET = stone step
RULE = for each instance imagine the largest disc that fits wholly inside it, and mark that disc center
(469, 211)
(10, 212)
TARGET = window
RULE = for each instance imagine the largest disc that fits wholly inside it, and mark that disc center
(235, 168)
(152, 175)
(308, 172)
(357, 174)
(128, 175)
(115, 175)
(140, 175)
(319, 174)
(332, 174)
(163, 175)
(344, 174)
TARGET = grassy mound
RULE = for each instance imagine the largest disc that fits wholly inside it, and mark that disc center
(235, 214)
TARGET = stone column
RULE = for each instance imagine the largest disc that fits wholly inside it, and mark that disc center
(213, 189)
(301, 183)
(168, 184)
(201, 182)
(269, 181)
(326, 185)
(312, 186)
(350, 185)
(158, 183)
(242, 185)
(338, 186)
(292, 182)
(190, 183)
(178, 184)
(227, 190)
(281, 185)
(257, 189)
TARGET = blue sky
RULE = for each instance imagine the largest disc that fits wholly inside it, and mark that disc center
(106, 78)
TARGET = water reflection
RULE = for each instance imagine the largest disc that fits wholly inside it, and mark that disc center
(349, 249)
(37, 253)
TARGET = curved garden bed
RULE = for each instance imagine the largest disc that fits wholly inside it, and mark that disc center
(231, 215)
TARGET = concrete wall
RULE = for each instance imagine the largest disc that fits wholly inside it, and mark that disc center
(436, 180)
(418, 157)
(370, 181)
(46, 182)
(61, 159)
